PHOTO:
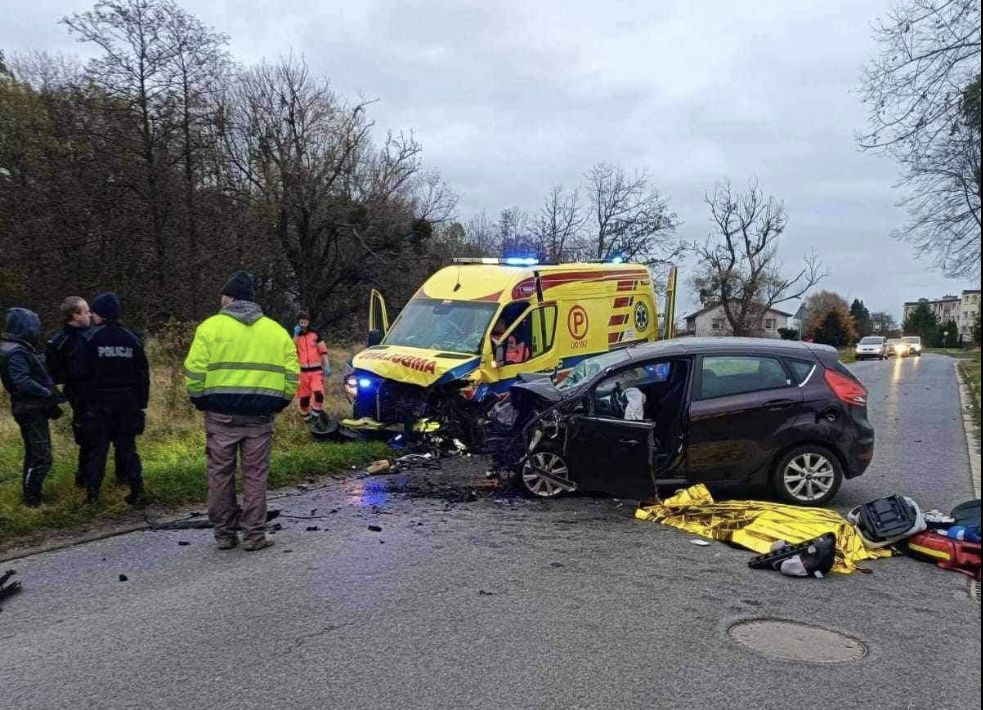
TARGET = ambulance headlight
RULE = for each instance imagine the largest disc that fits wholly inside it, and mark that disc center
(351, 387)
(364, 383)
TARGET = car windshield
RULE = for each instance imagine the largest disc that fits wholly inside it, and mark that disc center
(871, 341)
(916, 340)
(432, 324)
(590, 367)
(897, 341)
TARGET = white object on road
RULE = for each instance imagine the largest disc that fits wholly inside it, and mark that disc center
(701, 543)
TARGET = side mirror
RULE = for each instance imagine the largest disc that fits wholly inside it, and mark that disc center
(500, 353)
(375, 337)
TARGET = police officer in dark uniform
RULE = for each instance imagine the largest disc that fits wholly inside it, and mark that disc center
(63, 356)
(114, 387)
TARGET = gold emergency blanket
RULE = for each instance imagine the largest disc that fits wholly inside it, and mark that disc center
(757, 524)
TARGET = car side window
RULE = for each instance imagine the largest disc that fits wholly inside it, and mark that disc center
(726, 375)
(801, 370)
(631, 393)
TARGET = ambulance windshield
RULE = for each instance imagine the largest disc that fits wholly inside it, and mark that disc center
(458, 326)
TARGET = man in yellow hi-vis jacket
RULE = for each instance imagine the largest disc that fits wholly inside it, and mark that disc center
(241, 370)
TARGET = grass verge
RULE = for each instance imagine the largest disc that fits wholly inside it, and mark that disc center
(969, 368)
(173, 454)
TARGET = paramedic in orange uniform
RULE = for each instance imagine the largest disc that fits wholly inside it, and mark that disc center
(516, 351)
(314, 367)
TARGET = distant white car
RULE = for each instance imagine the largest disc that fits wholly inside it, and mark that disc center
(871, 347)
(914, 344)
(898, 347)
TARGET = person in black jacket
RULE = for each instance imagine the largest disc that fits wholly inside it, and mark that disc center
(33, 397)
(63, 356)
(114, 388)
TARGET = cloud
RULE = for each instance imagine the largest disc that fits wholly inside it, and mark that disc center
(509, 98)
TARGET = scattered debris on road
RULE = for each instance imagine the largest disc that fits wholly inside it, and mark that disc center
(377, 467)
(813, 558)
(123, 578)
(700, 543)
(375, 528)
(7, 588)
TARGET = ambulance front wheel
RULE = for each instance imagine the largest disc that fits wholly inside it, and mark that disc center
(546, 459)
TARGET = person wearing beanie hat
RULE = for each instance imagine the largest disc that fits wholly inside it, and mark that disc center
(113, 392)
(241, 370)
(241, 286)
(106, 306)
(33, 397)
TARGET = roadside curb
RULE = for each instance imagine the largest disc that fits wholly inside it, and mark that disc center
(19, 553)
(969, 427)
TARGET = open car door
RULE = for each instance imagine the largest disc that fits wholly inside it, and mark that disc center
(613, 456)
(611, 450)
(378, 318)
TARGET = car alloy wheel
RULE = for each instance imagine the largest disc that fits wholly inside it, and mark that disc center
(536, 485)
(809, 477)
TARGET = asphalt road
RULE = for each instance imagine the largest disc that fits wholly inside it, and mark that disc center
(468, 600)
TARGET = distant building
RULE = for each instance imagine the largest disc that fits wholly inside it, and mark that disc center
(798, 321)
(712, 321)
(962, 309)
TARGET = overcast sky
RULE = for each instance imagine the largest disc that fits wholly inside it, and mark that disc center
(510, 97)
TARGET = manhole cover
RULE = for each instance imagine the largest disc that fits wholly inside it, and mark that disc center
(794, 641)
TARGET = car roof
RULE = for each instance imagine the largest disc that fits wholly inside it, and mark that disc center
(725, 345)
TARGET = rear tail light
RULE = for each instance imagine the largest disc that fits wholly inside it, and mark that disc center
(847, 390)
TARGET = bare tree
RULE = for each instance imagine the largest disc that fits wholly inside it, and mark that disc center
(738, 265)
(46, 71)
(338, 206)
(917, 90)
(559, 225)
(136, 70)
(480, 234)
(631, 218)
(198, 62)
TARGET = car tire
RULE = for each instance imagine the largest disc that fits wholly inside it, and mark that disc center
(810, 475)
(533, 486)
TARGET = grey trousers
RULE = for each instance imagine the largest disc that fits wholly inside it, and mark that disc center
(251, 438)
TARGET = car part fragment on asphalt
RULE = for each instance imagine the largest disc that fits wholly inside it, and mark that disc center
(8, 590)
(887, 520)
(812, 558)
(379, 466)
(757, 525)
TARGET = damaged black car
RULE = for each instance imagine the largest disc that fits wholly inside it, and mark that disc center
(745, 411)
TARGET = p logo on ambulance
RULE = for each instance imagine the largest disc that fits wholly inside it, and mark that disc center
(577, 322)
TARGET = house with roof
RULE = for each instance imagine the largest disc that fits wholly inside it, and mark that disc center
(711, 321)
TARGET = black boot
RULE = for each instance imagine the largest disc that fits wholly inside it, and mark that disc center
(135, 499)
(32, 500)
(91, 495)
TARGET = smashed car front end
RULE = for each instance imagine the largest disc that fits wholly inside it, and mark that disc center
(402, 390)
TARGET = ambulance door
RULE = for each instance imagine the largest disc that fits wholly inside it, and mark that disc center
(528, 344)
(378, 318)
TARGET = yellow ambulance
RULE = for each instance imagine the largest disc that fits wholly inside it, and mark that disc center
(475, 326)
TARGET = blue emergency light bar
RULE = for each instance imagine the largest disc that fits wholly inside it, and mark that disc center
(493, 261)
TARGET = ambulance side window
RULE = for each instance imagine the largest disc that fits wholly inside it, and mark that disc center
(532, 337)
